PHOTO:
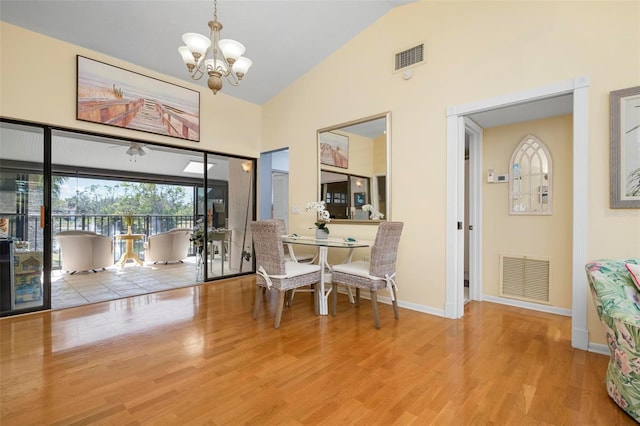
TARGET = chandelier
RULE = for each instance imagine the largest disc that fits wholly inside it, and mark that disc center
(226, 61)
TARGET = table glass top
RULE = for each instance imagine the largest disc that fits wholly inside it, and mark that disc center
(328, 242)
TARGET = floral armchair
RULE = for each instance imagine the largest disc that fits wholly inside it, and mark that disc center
(617, 302)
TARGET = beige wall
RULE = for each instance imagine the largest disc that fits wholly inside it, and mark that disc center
(38, 84)
(474, 51)
(380, 155)
(547, 236)
(360, 156)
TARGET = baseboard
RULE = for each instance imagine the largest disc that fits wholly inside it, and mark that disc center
(387, 300)
(527, 305)
(580, 338)
(592, 347)
(440, 312)
(599, 348)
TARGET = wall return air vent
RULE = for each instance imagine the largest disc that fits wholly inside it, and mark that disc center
(409, 57)
(525, 278)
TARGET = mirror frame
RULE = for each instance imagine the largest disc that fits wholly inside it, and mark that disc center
(387, 214)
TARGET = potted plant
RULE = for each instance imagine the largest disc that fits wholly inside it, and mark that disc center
(128, 221)
(197, 236)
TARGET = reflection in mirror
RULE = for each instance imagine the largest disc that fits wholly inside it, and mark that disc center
(530, 178)
(354, 169)
(344, 195)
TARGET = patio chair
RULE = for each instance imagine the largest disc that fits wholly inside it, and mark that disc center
(84, 251)
(170, 246)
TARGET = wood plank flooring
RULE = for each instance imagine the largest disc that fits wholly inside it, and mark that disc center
(194, 356)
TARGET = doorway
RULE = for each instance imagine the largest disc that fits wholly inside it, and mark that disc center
(472, 272)
(519, 104)
(274, 185)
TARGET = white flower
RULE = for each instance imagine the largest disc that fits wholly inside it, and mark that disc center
(373, 213)
(323, 215)
(315, 205)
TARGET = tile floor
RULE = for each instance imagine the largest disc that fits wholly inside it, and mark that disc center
(115, 282)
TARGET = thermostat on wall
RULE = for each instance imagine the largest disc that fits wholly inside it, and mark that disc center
(502, 178)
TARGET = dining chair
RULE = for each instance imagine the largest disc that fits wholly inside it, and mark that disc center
(273, 271)
(289, 253)
(373, 275)
(300, 258)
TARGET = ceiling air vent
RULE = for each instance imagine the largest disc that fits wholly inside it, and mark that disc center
(410, 57)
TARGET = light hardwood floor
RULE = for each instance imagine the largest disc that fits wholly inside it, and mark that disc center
(194, 356)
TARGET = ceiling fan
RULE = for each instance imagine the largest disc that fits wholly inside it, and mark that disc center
(134, 149)
(138, 149)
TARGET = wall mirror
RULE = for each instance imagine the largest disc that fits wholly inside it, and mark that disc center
(354, 169)
(530, 178)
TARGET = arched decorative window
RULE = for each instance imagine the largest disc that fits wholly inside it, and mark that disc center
(530, 178)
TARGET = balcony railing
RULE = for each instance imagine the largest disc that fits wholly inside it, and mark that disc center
(27, 228)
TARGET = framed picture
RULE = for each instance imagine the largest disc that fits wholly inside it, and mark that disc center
(359, 199)
(625, 148)
(117, 97)
(334, 150)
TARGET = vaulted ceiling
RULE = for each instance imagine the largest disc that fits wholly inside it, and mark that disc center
(284, 38)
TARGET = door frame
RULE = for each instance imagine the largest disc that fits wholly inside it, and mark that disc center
(475, 209)
(454, 263)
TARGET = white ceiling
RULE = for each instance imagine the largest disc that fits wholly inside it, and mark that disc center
(528, 111)
(22, 143)
(284, 39)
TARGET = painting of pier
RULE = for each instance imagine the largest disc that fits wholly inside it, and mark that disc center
(118, 97)
(334, 150)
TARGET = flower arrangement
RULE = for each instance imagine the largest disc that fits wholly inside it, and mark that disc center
(197, 236)
(323, 215)
(128, 218)
(373, 213)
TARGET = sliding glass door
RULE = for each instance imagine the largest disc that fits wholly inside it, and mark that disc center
(229, 209)
(24, 283)
(121, 217)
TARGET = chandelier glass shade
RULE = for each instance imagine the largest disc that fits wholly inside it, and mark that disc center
(214, 57)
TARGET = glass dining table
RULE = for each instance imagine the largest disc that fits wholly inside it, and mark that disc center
(323, 245)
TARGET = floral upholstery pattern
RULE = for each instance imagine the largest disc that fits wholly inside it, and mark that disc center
(617, 302)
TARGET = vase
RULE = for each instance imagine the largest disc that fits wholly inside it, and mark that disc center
(129, 230)
(199, 267)
(321, 234)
